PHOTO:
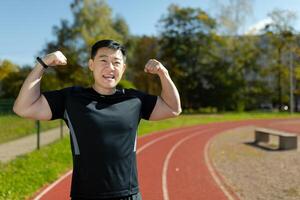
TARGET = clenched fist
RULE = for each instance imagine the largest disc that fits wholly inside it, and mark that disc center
(155, 67)
(55, 58)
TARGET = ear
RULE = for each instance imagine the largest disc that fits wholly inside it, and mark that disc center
(124, 67)
(91, 64)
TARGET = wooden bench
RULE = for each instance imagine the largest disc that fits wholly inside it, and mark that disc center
(286, 140)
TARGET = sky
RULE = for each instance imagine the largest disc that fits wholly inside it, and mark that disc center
(26, 25)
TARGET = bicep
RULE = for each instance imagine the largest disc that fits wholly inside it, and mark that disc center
(39, 110)
(161, 111)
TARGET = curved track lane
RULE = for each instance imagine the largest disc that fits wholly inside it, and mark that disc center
(174, 164)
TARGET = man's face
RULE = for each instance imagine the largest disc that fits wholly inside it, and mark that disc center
(108, 67)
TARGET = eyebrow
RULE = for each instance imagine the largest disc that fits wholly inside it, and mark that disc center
(105, 56)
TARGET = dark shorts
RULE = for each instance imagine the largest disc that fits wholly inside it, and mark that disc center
(132, 197)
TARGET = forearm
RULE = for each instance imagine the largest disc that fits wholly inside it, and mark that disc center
(30, 90)
(169, 93)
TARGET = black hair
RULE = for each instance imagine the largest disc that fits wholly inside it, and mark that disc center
(108, 44)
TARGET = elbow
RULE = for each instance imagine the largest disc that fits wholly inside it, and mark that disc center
(18, 111)
(15, 109)
(177, 112)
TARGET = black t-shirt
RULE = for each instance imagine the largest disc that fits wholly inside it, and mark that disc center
(103, 132)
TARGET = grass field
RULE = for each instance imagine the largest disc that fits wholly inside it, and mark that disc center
(13, 127)
(22, 177)
(186, 120)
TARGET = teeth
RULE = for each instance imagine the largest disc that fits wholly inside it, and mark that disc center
(109, 76)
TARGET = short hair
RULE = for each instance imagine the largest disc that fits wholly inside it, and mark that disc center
(108, 44)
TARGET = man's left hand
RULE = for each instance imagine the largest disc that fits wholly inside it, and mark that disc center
(155, 67)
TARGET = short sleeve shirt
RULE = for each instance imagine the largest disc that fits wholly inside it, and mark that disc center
(103, 132)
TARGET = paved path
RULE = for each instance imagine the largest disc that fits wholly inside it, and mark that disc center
(174, 164)
(12, 149)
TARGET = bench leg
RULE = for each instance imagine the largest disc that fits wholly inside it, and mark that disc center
(286, 143)
(261, 137)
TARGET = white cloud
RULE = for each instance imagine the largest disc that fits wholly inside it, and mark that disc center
(258, 27)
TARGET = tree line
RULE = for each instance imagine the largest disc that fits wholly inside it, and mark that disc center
(217, 71)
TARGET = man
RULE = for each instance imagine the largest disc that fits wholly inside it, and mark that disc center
(103, 120)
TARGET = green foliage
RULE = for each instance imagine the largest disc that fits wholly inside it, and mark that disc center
(226, 72)
(76, 39)
(87, 14)
(231, 15)
(191, 51)
(7, 67)
(22, 177)
(281, 42)
(126, 84)
(145, 48)
(6, 106)
(12, 83)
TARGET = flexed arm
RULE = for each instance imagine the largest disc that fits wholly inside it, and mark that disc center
(168, 103)
(30, 103)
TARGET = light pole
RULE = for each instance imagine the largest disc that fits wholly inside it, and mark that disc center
(256, 29)
(291, 82)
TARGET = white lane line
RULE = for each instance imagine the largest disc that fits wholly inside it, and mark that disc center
(167, 160)
(172, 130)
(52, 185)
(164, 137)
(214, 174)
(148, 144)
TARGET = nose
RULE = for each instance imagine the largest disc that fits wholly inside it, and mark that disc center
(111, 66)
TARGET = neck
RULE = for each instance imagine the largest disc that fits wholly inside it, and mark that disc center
(104, 91)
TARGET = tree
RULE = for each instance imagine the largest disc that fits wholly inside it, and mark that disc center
(210, 70)
(144, 49)
(6, 68)
(280, 37)
(87, 15)
(66, 41)
(232, 14)
(185, 48)
(13, 81)
(75, 39)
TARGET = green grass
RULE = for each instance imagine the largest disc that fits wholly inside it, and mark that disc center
(13, 127)
(187, 120)
(22, 177)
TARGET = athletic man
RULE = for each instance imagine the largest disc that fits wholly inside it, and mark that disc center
(103, 120)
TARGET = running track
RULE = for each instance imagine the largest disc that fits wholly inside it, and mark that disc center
(173, 164)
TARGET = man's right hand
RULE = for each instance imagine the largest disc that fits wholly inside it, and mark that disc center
(55, 58)
(30, 103)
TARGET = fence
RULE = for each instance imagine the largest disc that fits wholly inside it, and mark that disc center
(6, 106)
(38, 132)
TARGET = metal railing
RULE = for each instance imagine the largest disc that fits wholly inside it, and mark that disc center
(6, 106)
(38, 132)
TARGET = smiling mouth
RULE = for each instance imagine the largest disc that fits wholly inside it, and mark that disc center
(109, 77)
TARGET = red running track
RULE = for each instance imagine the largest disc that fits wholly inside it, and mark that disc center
(173, 164)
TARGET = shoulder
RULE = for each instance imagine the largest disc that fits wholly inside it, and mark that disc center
(140, 94)
(75, 90)
(65, 89)
(64, 92)
(134, 92)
